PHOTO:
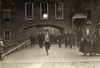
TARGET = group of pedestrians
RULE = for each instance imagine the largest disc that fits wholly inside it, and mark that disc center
(67, 38)
(92, 47)
(70, 39)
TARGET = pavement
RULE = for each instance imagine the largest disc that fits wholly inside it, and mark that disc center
(57, 58)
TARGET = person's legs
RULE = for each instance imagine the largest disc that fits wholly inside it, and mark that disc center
(65, 44)
(46, 47)
(49, 45)
(1, 56)
(90, 53)
(85, 54)
(41, 44)
(60, 44)
(71, 46)
(31, 44)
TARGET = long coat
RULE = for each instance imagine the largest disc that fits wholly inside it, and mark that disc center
(96, 44)
(32, 38)
(86, 47)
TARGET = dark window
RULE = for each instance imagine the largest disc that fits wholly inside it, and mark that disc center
(7, 34)
(29, 11)
(44, 10)
(7, 16)
(88, 14)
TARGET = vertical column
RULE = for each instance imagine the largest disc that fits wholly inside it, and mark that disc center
(0, 20)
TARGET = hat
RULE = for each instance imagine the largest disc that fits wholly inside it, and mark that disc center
(46, 30)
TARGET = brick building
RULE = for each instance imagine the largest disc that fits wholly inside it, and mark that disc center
(19, 18)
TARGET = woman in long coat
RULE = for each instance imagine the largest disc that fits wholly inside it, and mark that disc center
(96, 42)
(86, 47)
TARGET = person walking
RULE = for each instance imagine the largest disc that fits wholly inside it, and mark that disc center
(60, 40)
(66, 40)
(40, 39)
(79, 36)
(96, 41)
(32, 40)
(47, 41)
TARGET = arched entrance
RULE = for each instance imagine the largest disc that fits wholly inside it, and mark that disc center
(53, 29)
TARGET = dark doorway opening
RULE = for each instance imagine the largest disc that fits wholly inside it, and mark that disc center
(79, 23)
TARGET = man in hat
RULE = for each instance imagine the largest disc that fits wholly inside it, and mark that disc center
(47, 41)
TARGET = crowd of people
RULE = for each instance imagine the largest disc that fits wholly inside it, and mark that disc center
(70, 39)
(62, 38)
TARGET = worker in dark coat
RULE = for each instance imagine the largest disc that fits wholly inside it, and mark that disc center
(96, 41)
(60, 39)
(32, 40)
(55, 39)
(52, 38)
(40, 39)
(86, 47)
(66, 40)
(71, 39)
(79, 36)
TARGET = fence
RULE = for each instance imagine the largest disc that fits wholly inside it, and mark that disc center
(20, 46)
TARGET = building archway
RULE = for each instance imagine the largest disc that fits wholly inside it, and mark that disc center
(53, 29)
(78, 20)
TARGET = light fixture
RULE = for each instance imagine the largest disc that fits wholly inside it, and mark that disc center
(45, 16)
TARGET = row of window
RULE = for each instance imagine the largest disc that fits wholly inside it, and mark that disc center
(43, 11)
(29, 12)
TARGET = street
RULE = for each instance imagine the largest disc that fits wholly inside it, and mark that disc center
(57, 58)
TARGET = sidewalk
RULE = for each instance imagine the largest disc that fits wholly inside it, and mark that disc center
(57, 58)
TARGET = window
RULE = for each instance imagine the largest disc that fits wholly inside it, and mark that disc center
(29, 11)
(7, 16)
(88, 14)
(59, 10)
(7, 34)
(44, 10)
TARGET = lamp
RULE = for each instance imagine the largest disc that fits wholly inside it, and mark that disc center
(45, 16)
